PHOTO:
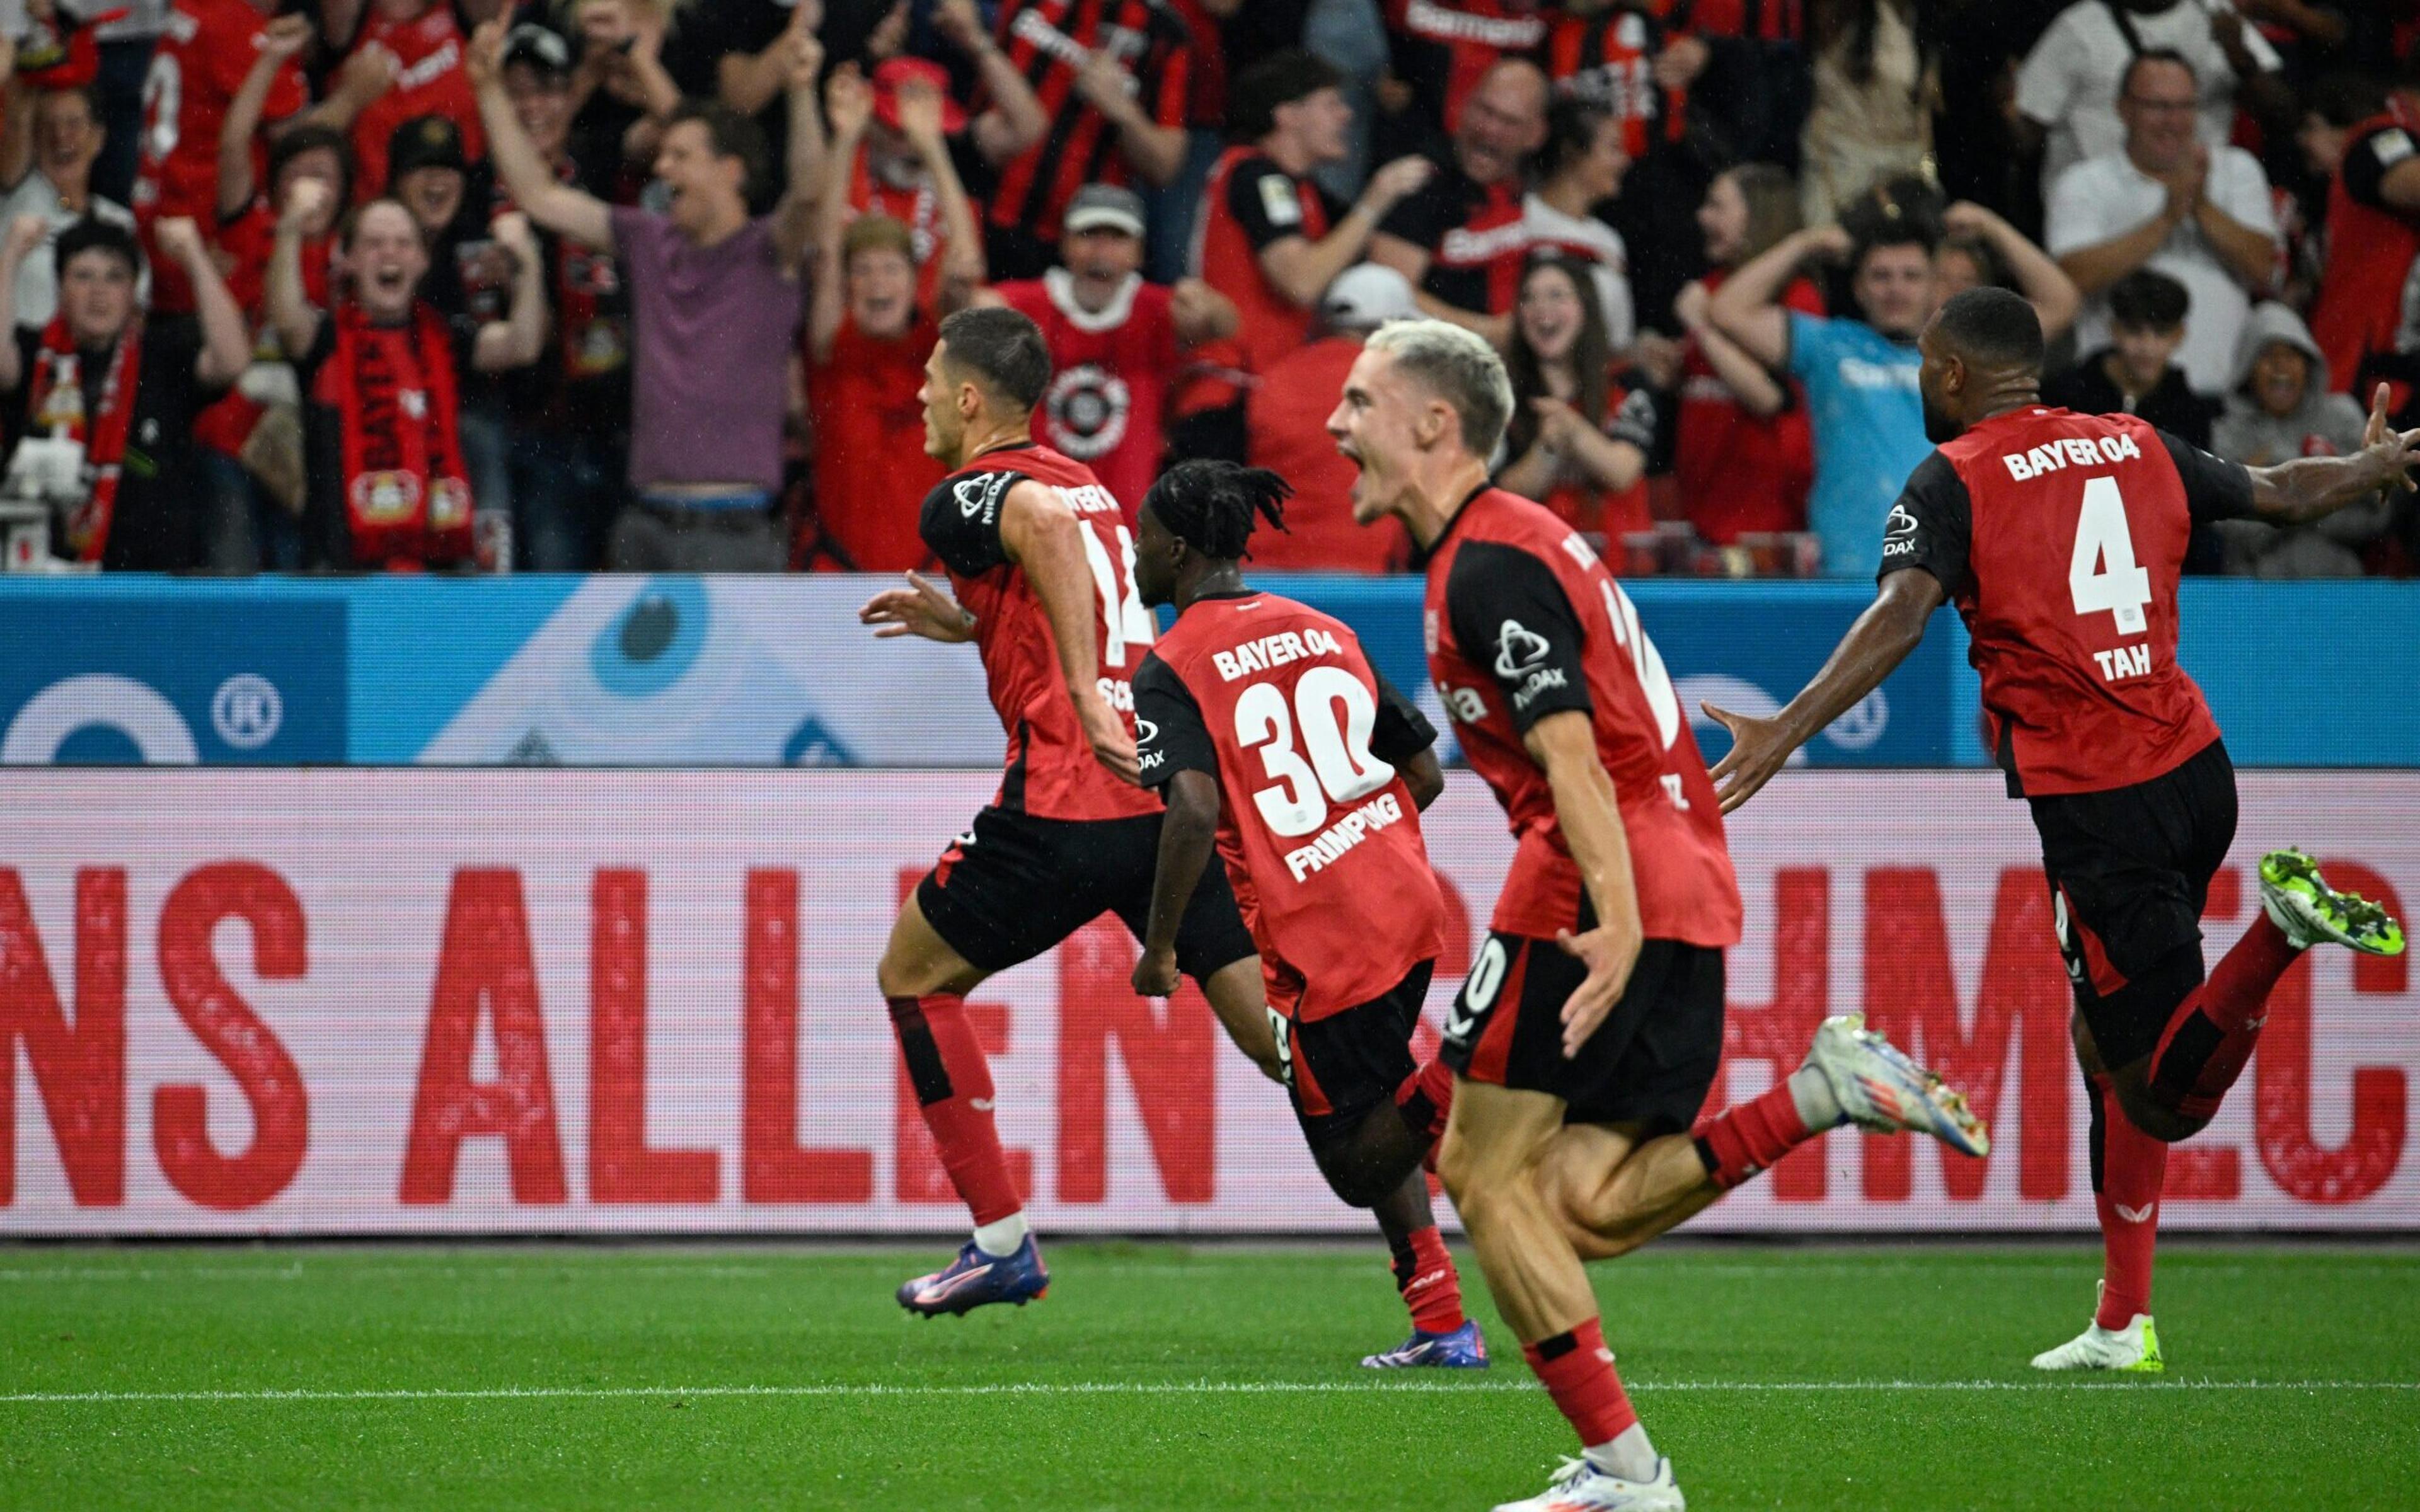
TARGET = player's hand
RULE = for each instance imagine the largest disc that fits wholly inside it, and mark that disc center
(1760, 748)
(919, 609)
(1609, 956)
(1154, 974)
(285, 37)
(304, 199)
(1401, 179)
(1113, 743)
(2378, 431)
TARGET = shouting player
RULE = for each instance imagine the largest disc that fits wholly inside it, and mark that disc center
(1270, 734)
(1587, 1033)
(2060, 536)
(1043, 566)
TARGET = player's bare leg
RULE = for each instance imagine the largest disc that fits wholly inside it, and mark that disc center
(1495, 1140)
(1613, 1191)
(2139, 1109)
(1378, 1168)
(924, 983)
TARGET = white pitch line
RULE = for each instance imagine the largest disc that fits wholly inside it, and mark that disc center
(1138, 1388)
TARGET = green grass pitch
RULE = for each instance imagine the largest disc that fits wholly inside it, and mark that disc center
(1155, 1376)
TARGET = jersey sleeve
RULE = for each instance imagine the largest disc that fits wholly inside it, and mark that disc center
(1402, 732)
(1931, 526)
(1510, 614)
(960, 522)
(1265, 202)
(2215, 489)
(1171, 735)
(2368, 158)
(1420, 218)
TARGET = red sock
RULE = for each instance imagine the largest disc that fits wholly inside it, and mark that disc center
(952, 1083)
(1578, 1372)
(1747, 1137)
(1430, 1286)
(2128, 1169)
(2211, 1035)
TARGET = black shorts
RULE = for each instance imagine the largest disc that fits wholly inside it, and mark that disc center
(1338, 1068)
(2129, 873)
(1650, 1061)
(1015, 886)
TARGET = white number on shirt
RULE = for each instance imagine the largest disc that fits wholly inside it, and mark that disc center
(1125, 622)
(163, 96)
(1645, 660)
(2102, 574)
(1335, 715)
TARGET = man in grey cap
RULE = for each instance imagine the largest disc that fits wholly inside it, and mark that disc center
(1286, 432)
(1117, 342)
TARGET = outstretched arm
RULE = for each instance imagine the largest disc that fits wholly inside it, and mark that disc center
(527, 178)
(1042, 535)
(2311, 488)
(1883, 635)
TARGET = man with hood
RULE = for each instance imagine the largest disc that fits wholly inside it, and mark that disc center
(2279, 407)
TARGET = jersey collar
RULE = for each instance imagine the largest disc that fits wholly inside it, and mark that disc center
(1453, 521)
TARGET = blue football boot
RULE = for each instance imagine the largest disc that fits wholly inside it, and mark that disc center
(1462, 1349)
(975, 1279)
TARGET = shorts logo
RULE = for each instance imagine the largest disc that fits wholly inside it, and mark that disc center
(1518, 648)
(1281, 1031)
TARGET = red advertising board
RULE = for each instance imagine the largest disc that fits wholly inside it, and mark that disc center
(512, 1001)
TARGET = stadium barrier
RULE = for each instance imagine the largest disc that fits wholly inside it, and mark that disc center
(776, 672)
(413, 1001)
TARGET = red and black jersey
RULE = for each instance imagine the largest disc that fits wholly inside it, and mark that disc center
(2061, 538)
(1742, 473)
(1609, 60)
(1473, 234)
(1442, 48)
(1051, 770)
(431, 80)
(1522, 620)
(1109, 376)
(1050, 41)
(1768, 21)
(1249, 205)
(1321, 837)
(2372, 249)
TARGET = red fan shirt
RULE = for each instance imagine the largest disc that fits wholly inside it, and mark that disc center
(2061, 538)
(1740, 472)
(1522, 620)
(1051, 771)
(1320, 836)
(430, 81)
(871, 470)
(1110, 377)
(196, 67)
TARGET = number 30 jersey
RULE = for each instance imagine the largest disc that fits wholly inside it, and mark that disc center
(1321, 837)
(2060, 538)
(1051, 772)
(1522, 620)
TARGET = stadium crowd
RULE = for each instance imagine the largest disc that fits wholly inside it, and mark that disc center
(648, 284)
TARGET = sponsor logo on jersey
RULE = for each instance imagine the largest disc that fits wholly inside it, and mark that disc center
(1506, 34)
(1898, 532)
(1145, 730)
(1464, 247)
(1272, 651)
(1859, 374)
(981, 495)
(1518, 648)
(2071, 451)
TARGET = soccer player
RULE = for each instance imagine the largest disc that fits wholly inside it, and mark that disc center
(2060, 536)
(1042, 567)
(1587, 1033)
(1270, 734)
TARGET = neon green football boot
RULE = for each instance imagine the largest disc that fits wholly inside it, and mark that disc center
(2300, 901)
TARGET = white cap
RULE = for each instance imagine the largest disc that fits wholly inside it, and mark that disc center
(1365, 297)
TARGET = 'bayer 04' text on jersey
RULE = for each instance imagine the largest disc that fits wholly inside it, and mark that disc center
(1522, 620)
(2060, 538)
(1051, 771)
(1321, 837)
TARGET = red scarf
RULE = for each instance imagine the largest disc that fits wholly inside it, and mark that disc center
(56, 408)
(407, 492)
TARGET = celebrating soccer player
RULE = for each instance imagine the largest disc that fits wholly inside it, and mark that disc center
(1043, 566)
(2060, 536)
(1587, 1033)
(1271, 735)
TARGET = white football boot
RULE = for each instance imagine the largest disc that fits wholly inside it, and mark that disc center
(1579, 1485)
(1883, 1090)
(2134, 1347)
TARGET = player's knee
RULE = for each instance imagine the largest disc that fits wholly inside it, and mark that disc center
(2146, 1110)
(1454, 1167)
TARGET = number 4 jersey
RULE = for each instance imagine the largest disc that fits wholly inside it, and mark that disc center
(1522, 620)
(1051, 771)
(1321, 839)
(2060, 538)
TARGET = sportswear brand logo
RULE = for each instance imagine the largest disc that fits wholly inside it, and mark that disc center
(1518, 648)
(981, 1104)
(2136, 1215)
